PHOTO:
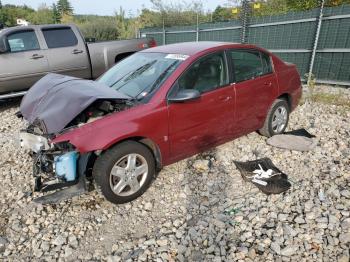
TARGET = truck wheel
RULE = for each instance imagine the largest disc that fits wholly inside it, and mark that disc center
(124, 172)
(277, 119)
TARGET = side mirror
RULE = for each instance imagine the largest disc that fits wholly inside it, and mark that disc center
(3, 46)
(185, 95)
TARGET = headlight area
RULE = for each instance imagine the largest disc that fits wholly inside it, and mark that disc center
(56, 165)
(61, 169)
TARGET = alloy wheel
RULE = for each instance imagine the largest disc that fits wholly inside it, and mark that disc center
(128, 175)
(279, 119)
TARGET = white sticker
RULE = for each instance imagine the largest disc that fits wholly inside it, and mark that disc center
(177, 56)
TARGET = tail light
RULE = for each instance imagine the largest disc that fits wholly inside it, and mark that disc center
(152, 43)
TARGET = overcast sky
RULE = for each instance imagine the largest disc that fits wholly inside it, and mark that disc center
(107, 7)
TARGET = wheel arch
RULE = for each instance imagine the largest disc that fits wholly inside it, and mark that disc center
(288, 99)
(149, 143)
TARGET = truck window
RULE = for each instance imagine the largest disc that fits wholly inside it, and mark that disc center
(59, 37)
(23, 41)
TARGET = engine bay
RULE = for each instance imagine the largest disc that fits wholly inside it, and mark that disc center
(97, 110)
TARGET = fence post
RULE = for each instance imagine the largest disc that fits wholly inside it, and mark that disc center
(164, 33)
(314, 49)
(197, 29)
(244, 18)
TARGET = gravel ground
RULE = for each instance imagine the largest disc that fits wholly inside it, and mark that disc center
(196, 210)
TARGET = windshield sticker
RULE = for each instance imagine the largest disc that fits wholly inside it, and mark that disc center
(177, 56)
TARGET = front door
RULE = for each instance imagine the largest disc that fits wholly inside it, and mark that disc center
(255, 86)
(195, 126)
(24, 64)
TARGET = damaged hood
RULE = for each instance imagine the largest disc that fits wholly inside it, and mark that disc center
(56, 100)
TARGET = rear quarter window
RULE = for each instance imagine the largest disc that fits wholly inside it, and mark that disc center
(59, 37)
(266, 61)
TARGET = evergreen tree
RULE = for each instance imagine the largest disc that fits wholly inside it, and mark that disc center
(55, 14)
(64, 7)
(0, 5)
(221, 14)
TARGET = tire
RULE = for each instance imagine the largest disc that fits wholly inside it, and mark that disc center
(131, 163)
(269, 129)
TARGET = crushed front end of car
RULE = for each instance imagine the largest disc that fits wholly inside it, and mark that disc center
(53, 106)
(55, 167)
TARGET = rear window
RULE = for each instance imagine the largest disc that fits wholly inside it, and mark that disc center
(247, 64)
(59, 37)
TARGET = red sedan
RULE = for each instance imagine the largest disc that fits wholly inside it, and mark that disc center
(175, 101)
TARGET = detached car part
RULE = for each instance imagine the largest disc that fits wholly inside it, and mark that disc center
(264, 175)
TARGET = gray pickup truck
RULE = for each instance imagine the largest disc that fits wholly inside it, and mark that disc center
(27, 53)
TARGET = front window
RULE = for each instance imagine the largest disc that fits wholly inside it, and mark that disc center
(23, 41)
(141, 74)
(207, 74)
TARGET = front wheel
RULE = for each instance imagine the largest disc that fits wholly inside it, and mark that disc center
(124, 172)
(277, 119)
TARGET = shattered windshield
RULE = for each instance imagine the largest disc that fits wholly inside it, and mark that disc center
(141, 74)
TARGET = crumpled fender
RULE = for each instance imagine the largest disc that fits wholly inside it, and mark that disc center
(139, 121)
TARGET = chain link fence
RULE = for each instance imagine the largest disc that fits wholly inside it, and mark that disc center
(317, 41)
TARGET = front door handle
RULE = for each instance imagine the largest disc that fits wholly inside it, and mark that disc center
(36, 56)
(77, 51)
(268, 84)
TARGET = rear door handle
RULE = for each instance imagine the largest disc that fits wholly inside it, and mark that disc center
(77, 51)
(224, 98)
(268, 83)
(36, 56)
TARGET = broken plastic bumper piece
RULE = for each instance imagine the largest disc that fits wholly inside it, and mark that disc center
(74, 189)
(33, 142)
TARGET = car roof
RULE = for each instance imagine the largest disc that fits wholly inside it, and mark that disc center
(189, 48)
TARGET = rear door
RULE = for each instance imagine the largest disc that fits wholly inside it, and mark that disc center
(25, 64)
(255, 86)
(66, 52)
(197, 125)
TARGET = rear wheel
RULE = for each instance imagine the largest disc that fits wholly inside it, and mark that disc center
(124, 172)
(277, 119)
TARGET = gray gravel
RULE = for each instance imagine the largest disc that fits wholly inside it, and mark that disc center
(198, 209)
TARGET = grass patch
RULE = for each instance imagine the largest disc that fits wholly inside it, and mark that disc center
(338, 99)
(331, 99)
